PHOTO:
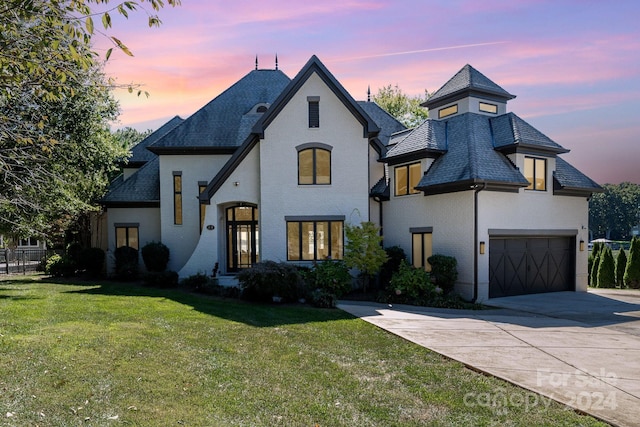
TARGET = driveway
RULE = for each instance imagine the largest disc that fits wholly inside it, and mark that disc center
(579, 348)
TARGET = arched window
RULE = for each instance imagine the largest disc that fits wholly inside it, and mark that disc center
(314, 164)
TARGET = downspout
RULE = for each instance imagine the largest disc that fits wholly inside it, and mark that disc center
(477, 188)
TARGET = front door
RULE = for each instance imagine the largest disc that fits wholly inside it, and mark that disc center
(242, 237)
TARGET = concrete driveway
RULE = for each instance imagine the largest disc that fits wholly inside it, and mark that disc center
(581, 349)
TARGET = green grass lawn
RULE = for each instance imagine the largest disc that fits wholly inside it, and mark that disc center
(119, 354)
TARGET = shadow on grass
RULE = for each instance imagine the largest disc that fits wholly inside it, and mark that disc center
(253, 314)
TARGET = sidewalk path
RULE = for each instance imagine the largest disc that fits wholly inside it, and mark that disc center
(581, 349)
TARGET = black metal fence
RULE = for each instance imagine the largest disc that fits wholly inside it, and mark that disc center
(22, 261)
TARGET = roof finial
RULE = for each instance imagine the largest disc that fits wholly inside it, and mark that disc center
(256, 62)
(276, 62)
(369, 93)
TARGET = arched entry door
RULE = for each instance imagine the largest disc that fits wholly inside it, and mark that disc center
(242, 237)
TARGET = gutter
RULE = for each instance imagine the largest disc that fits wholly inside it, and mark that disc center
(476, 188)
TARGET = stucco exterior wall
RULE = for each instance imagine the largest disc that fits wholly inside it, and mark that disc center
(535, 211)
(241, 187)
(280, 194)
(148, 222)
(182, 239)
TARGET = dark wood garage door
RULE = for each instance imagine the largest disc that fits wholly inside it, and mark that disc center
(520, 266)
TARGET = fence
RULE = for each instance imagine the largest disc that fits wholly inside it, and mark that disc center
(22, 261)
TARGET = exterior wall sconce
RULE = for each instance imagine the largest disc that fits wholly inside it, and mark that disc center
(236, 183)
(581, 245)
(482, 248)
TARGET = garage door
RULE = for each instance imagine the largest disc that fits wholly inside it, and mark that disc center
(519, 265)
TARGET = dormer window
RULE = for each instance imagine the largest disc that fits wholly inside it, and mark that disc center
(485, 107)
(447, 111)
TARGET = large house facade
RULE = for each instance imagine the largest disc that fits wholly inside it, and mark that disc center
(273, 169)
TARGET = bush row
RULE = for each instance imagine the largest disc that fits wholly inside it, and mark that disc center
(621, 272)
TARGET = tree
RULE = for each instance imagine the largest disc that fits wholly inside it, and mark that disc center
(615, 211)
(632, 272)
(405, 109)
(606, 269)
(363, 250)
(54, 145)
(129, 137)
(621, 265)
(49, 185)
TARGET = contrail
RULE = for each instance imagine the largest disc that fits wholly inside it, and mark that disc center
(410, 52)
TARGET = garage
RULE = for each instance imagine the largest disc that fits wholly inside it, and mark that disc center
(520, 265)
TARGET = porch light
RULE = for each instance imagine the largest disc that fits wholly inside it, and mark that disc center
(581, 245)
(482, 248)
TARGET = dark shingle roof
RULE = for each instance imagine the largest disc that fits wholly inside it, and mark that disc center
(569, 180)
(140, 154)
(430, 136)
(141, 188)
(386, 122)
(381, 189)
(510, 131)
(470, 158)
(224, 122)
(467, 80)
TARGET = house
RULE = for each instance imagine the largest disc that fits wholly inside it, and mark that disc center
(479, 183)
(273, 168)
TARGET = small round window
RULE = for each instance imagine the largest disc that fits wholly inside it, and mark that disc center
(261, 109)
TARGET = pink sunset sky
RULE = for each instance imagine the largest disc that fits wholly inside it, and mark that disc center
(574, 65)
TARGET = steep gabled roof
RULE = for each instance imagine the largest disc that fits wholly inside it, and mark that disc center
(510, 133)
(470, 159)
(224, 123)
(467, 81)
(140, 154)
(314, 65)
(141, 189)
(569, 181)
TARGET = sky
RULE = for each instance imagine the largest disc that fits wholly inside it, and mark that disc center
(574, 66)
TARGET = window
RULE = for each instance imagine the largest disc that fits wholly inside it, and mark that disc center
(314, 111)
(127, 235)
(31, 241)
(535, 171)
(447, 111)
(407, 178)
(314, 165)
(177, 198)
(421, 248)
(203, 208)
(488, 108)
(314, 240)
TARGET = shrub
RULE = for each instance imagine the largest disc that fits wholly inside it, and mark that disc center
(606, 269)
(444, 271)
(323, 299)
(593, 273)
(621, 265)
(268, 279)
(161, 279)
(155, 256)
(60, 266)
(330, 276)
(410, 285)
(126, 262)
(195, 282)
(92, 260)
(395, 255)
(74, 252)
(632, 272)
(363, 250)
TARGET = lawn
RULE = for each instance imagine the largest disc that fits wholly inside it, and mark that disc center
(120, 354)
